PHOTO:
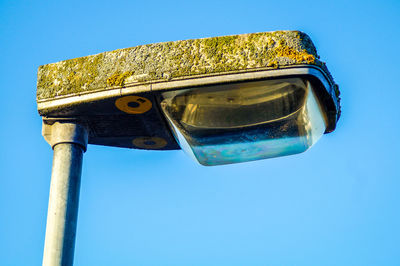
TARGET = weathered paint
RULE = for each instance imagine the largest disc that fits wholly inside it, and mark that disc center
(172, 60)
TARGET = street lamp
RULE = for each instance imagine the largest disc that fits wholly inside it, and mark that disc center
(222, 100)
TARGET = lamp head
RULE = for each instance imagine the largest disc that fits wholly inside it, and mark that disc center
(222, 99)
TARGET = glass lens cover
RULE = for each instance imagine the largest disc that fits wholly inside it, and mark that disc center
(246, 121)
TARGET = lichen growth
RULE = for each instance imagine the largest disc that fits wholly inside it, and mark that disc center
(172, 60)
(273, 64)
(69, 76)
(297, 56)
(118, 79)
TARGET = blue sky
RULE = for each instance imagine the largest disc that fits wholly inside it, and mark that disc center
(336, 204)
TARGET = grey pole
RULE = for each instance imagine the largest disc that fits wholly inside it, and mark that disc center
(69, 141)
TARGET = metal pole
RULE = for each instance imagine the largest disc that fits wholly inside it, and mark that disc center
(68, 141)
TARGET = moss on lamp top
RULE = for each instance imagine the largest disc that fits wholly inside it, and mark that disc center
(172, 60)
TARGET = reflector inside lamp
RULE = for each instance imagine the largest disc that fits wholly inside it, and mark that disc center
(246, 121)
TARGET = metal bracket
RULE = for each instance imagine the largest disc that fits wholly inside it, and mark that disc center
(65, 132)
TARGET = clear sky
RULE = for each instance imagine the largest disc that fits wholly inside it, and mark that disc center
(336, 204)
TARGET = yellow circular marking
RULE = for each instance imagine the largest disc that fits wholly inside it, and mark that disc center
(151, 143)
(142, 104)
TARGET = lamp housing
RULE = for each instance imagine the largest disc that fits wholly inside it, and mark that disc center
(223, 99)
